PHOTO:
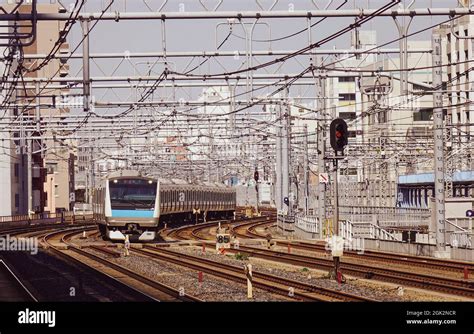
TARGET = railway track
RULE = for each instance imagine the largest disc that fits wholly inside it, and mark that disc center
(196, 232)
(59, 242)
(447, 285)
(415, 261)
(459, 287)
(301, 291)
(248, 230)
(40, 228)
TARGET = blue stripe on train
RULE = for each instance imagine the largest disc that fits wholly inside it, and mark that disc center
(133, 213)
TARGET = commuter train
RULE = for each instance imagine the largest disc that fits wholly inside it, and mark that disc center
(140, 206)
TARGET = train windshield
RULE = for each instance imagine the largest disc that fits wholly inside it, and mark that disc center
(132, 194)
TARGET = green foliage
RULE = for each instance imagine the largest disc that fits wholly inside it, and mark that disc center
(241, 256)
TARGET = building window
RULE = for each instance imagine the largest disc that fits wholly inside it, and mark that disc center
(351, 171)
(51, 167)
(17, 200)
(16, 170)
(346, 79)
(347, 115)
(347, 97)
(449, 38)
(418, 87)
(423, 115)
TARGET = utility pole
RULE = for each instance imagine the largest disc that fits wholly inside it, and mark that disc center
(286, 154)
(321, 133)
(306, 170)
(278, 164)
(86, 95)
(438, 147)
(85, 65)
(29, 162)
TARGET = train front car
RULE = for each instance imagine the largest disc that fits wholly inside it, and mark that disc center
(131, 208)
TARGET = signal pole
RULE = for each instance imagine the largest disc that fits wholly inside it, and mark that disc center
(338, 140)
(336, 218)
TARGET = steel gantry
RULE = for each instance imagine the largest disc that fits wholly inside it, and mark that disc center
(249, 99)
